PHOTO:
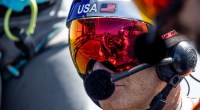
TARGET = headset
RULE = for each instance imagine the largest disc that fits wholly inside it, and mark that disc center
(184, 56)
(180, 61)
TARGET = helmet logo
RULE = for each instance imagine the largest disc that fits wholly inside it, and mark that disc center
(85, 8)
(108, 7)
(88, 8)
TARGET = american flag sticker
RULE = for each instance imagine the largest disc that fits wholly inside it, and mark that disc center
(110, 7)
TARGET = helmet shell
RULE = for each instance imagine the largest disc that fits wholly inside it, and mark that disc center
(105, 8)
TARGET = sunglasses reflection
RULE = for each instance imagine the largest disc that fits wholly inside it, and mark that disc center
(113, 47)
(106, 46)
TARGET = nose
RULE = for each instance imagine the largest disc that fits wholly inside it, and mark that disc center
(99, 65)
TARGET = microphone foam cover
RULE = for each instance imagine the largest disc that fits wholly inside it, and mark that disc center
(98, 85)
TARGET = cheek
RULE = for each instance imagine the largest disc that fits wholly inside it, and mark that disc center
(139, 90)
(146, 84)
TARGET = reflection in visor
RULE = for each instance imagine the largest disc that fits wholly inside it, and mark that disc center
(107, 40)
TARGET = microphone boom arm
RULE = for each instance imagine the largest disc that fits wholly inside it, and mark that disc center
(139, 68)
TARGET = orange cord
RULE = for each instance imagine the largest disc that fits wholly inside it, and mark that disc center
(197, 107)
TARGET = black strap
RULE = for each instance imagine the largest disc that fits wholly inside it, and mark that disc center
(170, 42)
(159, 100)
(27, 45)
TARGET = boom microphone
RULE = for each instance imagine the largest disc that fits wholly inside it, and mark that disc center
(99, 84)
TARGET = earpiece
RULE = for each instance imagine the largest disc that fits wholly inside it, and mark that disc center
(184, 56)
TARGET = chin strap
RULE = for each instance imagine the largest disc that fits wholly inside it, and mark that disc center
(159, 100)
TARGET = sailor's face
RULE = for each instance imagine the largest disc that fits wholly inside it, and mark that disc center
(133, 92)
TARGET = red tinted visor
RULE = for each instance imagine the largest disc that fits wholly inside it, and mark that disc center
(109, 40)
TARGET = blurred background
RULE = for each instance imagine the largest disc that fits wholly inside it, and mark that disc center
(50, 81)
(194, 85)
